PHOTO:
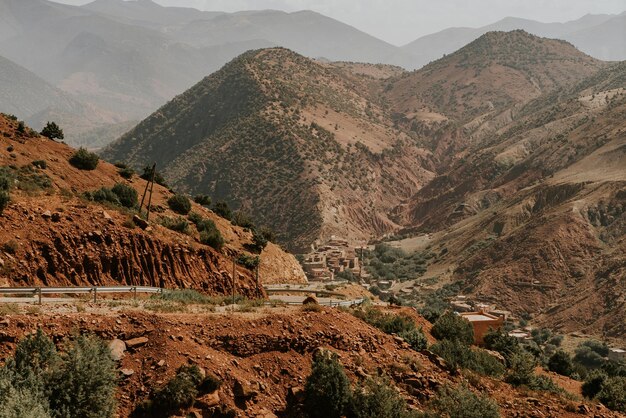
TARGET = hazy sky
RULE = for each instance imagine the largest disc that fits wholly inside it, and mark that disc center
(401, 21)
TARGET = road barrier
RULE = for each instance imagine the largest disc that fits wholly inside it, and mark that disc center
(94, 290)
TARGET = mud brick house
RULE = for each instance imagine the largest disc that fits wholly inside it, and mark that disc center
(482, 322)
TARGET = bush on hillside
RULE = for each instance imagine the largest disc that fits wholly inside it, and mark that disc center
(560, 362)
(5, 199)
(221, 208)
(202, 199)
(52, 131)
(85, 384)
(126, 172)
(84, 160)
(103, 195)
(521, 370)
(593, 383)
(126, 195)
(327, 389)
(242, 219)
(415, 338)
(41, 164)
(461, 402)
(178, 224)
(386, 322)
(377, 398)
(498, 340)
(458, 355)
(451, 326)
(613, 393)
(179, 392)
(179, 204)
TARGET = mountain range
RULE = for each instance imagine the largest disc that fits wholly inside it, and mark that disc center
(507, 154)
(125, 59)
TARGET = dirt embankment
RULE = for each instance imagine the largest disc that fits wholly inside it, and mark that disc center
(269, 355)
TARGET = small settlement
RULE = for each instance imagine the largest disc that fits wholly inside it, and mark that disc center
(332, 257)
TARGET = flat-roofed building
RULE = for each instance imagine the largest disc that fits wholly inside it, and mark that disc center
(482, 322)
(617, 354)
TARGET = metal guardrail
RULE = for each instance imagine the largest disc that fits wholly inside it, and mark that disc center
(94, 290)
(331, 303)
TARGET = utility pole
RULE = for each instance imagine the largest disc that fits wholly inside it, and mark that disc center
(234, 273)
(150, 185)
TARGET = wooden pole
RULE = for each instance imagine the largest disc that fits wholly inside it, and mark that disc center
(234, 273)
(151, 189)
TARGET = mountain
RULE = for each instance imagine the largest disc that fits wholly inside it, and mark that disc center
(24, 94)
(308, 152)
(587, 34)
(530, 215)
(494, 72)
(58, 237)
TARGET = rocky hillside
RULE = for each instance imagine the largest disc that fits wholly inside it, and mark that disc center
(262, 360)
(492, 73)
(52, 235)
(533, 211)
(303, 146)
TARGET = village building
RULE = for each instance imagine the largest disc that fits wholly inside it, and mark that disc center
(332, 257)
(482, 322)
(617, 354)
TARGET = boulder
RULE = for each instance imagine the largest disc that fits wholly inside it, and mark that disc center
(141, 223)
(136, 342)
(117, 348)
(244, 390)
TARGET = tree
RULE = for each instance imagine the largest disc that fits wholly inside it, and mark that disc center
(560, 362)
(500, 341)
(86, 383)
(327, 389)
(415, 338)
(522, 369)
(52, 131)
(147, 175)
(451, 326)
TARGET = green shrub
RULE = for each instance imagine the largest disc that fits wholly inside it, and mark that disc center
(593, 383)
(327, 389)
(52, 131)
(202, 199)
(377, 398)
(221, 208)
(178, 224)
(259, 242)
(388, 323)
(210, 235)
(180, 392)
(522, 369)
(20, 402)
(242, 219)
(415, 338)
(84, 160)
(103, 195)
(459, 355)
(126, 172)
(5, 199)
(34, 363)
(498, 340)
(560, 362)
(613, 393)
(451, 326)
(463, 403)
(41, 164)
(179, 204)
(126, 195)
(249, 262)
(85, 384)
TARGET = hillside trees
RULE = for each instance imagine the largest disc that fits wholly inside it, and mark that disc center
(52, 131)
